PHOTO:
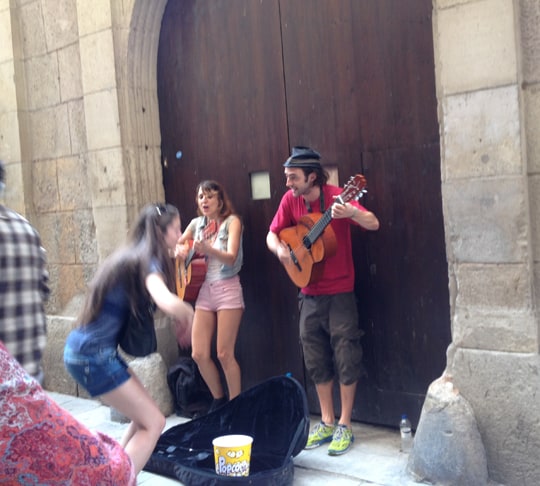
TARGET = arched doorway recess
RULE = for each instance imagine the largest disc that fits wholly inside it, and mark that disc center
(238, 84)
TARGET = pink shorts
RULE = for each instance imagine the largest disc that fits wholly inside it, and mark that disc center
(221, 295)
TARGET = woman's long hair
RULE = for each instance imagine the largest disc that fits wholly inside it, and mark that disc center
(130, 264)
(209, 187)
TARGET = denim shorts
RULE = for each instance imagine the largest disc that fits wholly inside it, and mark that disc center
(221, 295)
(98, 373)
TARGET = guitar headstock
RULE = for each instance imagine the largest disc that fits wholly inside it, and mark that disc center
(355, 188)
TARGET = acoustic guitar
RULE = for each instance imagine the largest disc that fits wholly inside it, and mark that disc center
(191, 272)
(190, 275)
(311, 241)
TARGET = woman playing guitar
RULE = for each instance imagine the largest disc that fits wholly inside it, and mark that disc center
(217, 236)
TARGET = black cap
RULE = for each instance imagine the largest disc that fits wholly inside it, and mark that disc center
(303, 157)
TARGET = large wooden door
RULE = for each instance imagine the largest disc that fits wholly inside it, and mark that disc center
(240, 82)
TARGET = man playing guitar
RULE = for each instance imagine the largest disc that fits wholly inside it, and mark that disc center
(329, 329)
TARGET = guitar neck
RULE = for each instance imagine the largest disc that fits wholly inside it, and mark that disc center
(189, 257)
(318, 228)
(353, 190)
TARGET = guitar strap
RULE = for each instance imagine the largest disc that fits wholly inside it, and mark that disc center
(321, 203)
(207, 229)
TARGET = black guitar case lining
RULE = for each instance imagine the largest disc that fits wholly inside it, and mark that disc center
(274, 413)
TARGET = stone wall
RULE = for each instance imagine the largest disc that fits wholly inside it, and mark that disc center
(79, 126)
(487, 54)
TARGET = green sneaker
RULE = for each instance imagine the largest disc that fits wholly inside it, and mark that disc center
(341, 441)
(320, 434)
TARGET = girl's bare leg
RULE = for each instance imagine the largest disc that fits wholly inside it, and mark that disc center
(204, 327)
(132, 400)
(228, 323)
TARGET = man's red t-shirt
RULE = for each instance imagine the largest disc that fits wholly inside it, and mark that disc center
(338, 273)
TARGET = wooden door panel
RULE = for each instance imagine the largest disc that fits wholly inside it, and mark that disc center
(405, 276)
(360, 88)
(239, 83)
(401, 286)
(220, 88)
(222, 105)
(359, 75)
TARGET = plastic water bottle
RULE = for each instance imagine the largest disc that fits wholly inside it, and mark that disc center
(406, 434)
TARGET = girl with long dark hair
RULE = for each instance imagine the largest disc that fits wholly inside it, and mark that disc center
(140, 269)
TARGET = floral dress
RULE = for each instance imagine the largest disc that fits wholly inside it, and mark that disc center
(42, 444)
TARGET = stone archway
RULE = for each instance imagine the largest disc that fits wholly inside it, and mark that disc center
(136, 38)
(124, 170)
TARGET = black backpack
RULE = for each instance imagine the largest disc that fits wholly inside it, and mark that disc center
(190, 392)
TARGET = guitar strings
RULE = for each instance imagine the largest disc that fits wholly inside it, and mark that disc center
(319, 226)
(354, 189)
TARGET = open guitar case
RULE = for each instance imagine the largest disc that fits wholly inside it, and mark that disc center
(274, 413)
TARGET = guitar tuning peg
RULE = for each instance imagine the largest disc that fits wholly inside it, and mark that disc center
(361, 193)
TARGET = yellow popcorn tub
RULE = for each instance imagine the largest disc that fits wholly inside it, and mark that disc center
(232, 454)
